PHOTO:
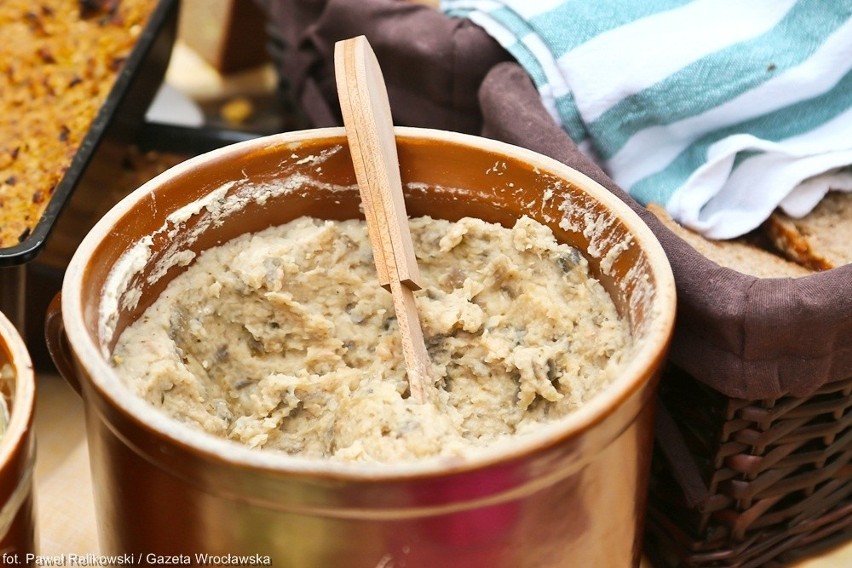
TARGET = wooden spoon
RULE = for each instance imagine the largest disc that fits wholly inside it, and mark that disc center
(369, 129)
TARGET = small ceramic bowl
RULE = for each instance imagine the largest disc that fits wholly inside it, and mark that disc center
(571, 494)
(17, 448)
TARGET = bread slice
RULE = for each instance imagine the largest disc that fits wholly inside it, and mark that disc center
(736, 254)
(820, 240)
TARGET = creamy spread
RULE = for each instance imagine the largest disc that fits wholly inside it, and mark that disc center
(284, 341)
(7, 374)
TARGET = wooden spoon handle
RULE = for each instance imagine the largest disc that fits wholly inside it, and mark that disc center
(369, 128)
(372, 144)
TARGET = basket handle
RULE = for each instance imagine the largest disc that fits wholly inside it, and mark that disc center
(57, 343)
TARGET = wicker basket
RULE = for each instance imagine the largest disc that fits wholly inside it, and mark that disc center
(771, 482)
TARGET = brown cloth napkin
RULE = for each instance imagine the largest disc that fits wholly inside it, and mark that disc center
(746, 337)
(432, 65)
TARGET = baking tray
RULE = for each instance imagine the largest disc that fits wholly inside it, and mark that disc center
(188, 140)
(115, 125)
(117, 121)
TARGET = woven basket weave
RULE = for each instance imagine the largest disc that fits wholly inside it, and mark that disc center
(775, 476)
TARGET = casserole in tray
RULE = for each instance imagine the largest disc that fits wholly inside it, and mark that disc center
(73, 75)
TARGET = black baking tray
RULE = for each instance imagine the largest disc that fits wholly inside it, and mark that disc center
(188, 140)
(117, 122)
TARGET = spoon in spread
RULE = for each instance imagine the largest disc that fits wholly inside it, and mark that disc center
(369, 130)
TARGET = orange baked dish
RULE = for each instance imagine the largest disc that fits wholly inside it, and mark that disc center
(58, 62)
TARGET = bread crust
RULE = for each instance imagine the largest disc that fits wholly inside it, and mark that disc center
(737, 254)
(820, 240)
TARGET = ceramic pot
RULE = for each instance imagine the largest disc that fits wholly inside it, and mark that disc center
(17, 448)
(571, 494)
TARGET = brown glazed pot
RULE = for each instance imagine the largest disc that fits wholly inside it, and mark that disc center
(571, 494)
(17, 450)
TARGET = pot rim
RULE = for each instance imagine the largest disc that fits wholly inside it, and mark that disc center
(23, 402)
(100, 375)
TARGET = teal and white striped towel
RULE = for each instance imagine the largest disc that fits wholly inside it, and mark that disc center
(719, 109)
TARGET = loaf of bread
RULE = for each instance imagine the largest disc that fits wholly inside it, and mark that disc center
(820, 240)
(58, 62)
(737, 254)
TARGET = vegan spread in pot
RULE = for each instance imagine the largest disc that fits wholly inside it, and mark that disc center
(7, 374)
(284, 341)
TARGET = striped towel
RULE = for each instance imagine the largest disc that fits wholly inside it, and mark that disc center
(718, 109)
